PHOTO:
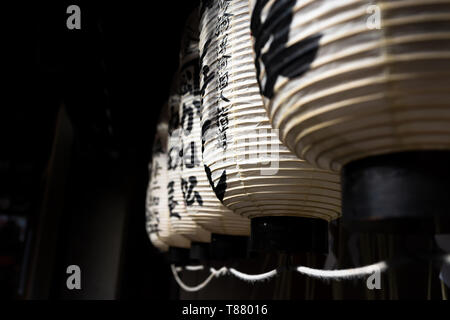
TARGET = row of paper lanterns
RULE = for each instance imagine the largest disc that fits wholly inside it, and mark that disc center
(273, 98)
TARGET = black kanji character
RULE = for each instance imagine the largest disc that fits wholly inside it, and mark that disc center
(172, 202)
(174, 121)
(223, 81)
(188, 113)
(189, 194)
(156, 171)
(223, 23)
(190, 161)
(221, 187)
(173, 158)
(280, 60)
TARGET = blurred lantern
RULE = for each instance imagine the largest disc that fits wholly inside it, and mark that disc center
(352, 84)
(154, 204)
(159, 228)
(251, 172)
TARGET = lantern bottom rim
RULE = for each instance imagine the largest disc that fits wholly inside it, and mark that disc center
(405, 192)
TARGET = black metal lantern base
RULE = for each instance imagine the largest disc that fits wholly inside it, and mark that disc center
(406, 192)
(178, 256)
(288, 234)
(226, 247)
(200, 252)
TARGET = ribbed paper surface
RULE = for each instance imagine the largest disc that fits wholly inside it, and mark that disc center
(154, 203)
(201, 201)
(251, 171)
(159, 228)
(339, 88)
(180, 218)
(202, 205)
(179, 188)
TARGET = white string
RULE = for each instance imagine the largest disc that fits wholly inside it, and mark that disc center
(255, 277)
(190, 268)
(353, 273)
(214, 273)
(194, 268)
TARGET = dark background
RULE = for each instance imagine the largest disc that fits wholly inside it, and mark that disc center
(77, 123)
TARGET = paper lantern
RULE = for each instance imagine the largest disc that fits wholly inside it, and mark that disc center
(340, 89)
(362, 86)
(158, 214)
(179, 188)
(181, 221)
(250, 170)
(201, 202)
(159, 227)
(153, 200)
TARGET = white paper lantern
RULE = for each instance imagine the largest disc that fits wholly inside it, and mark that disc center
(201, 202)
(252, 173)
(159, 227)
(179, 188)
(348, 79)
(153, 200)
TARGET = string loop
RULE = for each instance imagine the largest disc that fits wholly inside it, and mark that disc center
(344, 274)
